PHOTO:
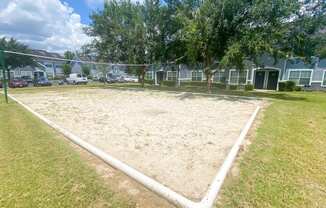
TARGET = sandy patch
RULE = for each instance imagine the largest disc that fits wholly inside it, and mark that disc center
(178, 139)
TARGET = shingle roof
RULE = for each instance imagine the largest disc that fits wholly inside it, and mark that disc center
(45, 53)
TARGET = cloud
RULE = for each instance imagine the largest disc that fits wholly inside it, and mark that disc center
(42, 24)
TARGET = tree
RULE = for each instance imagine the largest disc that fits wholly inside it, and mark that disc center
(86, 70)
(66, 69)
(103, 71)
(223, 33)
(13, 60)
(67, 66)
(69, 55)
(278, 28)
(121, 33)
(198, 30)
(233, 31)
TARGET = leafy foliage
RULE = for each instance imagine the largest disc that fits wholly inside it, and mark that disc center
(86, 70)
(13, 60)
(66, 68)
(224, 33)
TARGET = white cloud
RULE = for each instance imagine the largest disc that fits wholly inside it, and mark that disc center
(42, 24)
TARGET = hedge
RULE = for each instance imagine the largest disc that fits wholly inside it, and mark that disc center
(219, 86)
(233, 87)
(298, 88)
(169, 83)
(249, 87)
(193, 84)
(290, 85)
(287, 86)
(281, 86)
(147, 81)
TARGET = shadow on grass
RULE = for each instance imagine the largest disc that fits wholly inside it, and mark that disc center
(232, 95)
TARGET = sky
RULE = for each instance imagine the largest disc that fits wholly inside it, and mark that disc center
(85, 7)
(52, 25)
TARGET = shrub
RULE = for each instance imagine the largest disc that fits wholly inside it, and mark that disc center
(282, 86)
(147, 81)
(290, 85)
(249, 87)
(193, 84)
(233, 87)
(219, 86)
(298, 88)
(287, 86)
(169, 83)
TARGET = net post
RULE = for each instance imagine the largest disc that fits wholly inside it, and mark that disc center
(4, 80)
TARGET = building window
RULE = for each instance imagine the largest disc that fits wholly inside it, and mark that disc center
(149, 75)
(171, 75)
(219, 76)
(196, 75)
(300, 77)
(238, 77)
(324, 79)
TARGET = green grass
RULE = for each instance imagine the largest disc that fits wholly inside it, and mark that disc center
(38, 168)
(285, 166)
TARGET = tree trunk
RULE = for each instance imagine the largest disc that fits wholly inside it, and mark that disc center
(209, 82)
(143, 71)
(8, 75)
(178, 77)
(208, 72)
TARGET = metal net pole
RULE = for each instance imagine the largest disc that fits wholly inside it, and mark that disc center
(4, 80)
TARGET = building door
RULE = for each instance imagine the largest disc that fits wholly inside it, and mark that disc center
(259, 79)
(159, 76)
(272, 80)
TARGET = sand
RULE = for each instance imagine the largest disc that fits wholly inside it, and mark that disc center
(179, 139)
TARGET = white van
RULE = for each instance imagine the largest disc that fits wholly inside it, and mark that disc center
(76, 78)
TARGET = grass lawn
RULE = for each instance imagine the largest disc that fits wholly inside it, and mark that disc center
(38, 168)
(285, 166)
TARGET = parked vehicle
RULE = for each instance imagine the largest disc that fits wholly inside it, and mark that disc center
(76, 79)
(112, 78)
(130, 78)
(39, 74)
(102, 79)
(28, 79)
(17, 83)
(62, 82)
(42, 82)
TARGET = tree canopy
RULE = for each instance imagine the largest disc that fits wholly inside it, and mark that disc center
(13, 60)
(224, 32)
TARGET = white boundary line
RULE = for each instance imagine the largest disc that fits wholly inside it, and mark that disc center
(172, 196)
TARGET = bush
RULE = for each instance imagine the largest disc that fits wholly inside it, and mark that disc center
(287, 86)
(219, 86)
(151, 82)
(298, 88)
(169, 83)
(193, 84)
(290, 85)
(282, 86)
(233, 87)
(249, 87)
